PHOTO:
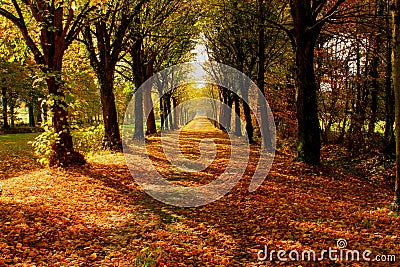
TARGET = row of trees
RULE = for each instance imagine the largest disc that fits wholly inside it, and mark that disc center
(279, 38)
(328, 62)
(143, 36)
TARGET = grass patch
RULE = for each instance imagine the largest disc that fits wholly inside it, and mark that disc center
(132, 126)
(16, 153)
(16, 143)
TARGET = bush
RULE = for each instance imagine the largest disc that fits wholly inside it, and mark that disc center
(85, 140)
(89, 139)
(43, 144)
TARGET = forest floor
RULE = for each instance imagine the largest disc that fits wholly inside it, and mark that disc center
(97, 215)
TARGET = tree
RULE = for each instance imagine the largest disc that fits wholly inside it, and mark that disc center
(396, 84)
(13, 75)
(110, 33)
(389, 138)
(4, 100)
(231, 41)
(309, 17)
(160, 35)
(262, 57)
(252, 48)
(81, 83)
(59, 27)
(16, 86)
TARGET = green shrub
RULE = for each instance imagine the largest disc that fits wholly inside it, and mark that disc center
(43, 144)
(85, 140)
(89, 139)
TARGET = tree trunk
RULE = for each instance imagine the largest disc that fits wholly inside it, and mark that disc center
(148, 101)
(343, 128)
(6, 126)
(38, 112)
(139, 129)
(377, 42)
(389, 138)
(31, 116)
(176, 112)
(357, 133)
(238, 123)
(244, 89)
(396, 83)
(374, 93)
(162, 112)
(309, 146)
(161, 85)
(229, 113)
(141, 72)
(389, 148)
(112, 137)
(309, 142)
(12, 104)
(247, 113)
(264, 127)
(169, 113)
(305, 33)
(44, 111)
(224, 119)
(139, 77)
(167, 108)
(63, 150)
(148, 107)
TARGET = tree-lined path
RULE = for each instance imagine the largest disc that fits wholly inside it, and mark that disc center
(83, 81)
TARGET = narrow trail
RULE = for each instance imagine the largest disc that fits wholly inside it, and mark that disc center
(201, 124)
(199, 145)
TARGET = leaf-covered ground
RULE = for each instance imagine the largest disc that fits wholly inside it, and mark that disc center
(16, 155)
(97, 215)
